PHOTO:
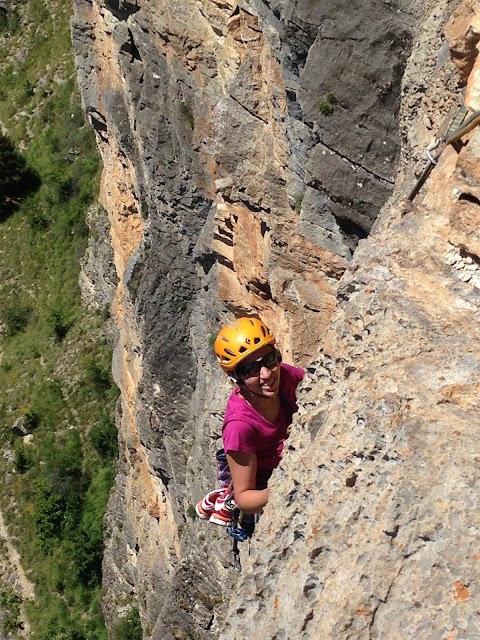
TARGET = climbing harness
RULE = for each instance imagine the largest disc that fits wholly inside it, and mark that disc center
(457, 130)
(239, 526)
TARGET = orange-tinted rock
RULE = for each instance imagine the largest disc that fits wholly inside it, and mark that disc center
(463, 34)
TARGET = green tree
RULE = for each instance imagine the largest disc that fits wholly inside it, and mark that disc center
(17, 180)
(103, 437)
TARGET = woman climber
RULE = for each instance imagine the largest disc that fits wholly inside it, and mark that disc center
(258, 414)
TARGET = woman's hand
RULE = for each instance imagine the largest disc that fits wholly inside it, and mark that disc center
(243, 467)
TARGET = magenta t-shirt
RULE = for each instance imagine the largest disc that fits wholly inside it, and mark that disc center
(245, 430)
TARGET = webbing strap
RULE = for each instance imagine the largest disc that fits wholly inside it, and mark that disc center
(452, 136)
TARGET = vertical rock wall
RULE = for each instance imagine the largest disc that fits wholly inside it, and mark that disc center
(247, 147)
(372, 528)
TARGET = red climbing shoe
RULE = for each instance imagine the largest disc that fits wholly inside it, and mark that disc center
(222, 513)
(206, 506)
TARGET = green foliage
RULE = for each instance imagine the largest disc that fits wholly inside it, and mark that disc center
(65, 473)
(187, 114)
(58, 323)
(103, 437)
(144, 210)
(23, 458)
(9, 20)
(191, 513)
(105, 313)
(326, 107)
(16, 316)
(129, 628)
(10, 606)
(298, 203)
(37, 220)
(58, 490)
(38, 11)
(211, 339)
(88, 542)
(49, 514)
(17, 180)
(32, 419)
(98, 375)
(48, 402)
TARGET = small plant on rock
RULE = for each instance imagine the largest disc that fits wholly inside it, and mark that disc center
(129, 628)
(326, 107)
(187, 114)
(298, 202)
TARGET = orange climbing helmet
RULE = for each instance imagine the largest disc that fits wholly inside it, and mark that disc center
(238, 340)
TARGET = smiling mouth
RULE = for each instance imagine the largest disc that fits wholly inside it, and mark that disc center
(270, 386)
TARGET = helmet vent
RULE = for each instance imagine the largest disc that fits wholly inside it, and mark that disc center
(237, 340)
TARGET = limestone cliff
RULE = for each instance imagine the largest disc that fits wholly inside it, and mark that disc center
(247, 148)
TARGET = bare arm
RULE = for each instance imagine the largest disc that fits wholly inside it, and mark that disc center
(243, 467)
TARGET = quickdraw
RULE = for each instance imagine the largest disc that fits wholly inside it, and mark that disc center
(450, 138)
(241, 529)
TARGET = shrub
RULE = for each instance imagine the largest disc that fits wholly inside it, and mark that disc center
(87, 554)
(103, 437)
(211, 339)
(59, 489)
(87, 549)
(187, 114)
(191, 513)
(49, 512)
(47, 398)
(58, 323)
(326, 107)
(16, 317)
(17, 180)
(98, 375)
(298, 202)
(37, 220)
(9, 20)
(23, 459)
(130, 627)
(10, 605)
(32, 419)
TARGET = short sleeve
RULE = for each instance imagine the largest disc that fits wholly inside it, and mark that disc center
(240, 436)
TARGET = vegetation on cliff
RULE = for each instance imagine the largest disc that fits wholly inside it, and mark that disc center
(54, 356)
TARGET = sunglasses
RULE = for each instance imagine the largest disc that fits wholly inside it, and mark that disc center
(251, 369)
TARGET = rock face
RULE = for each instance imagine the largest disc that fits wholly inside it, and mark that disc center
(372, 530)
(247, 149)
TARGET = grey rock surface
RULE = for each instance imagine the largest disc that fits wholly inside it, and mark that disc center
(372, 528)
(229, 191)
(98, 278)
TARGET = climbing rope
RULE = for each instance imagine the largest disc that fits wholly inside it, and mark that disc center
(450, 138)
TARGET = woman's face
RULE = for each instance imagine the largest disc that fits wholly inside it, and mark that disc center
(264, 377)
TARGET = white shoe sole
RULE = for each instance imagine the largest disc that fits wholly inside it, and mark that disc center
(215, 520)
